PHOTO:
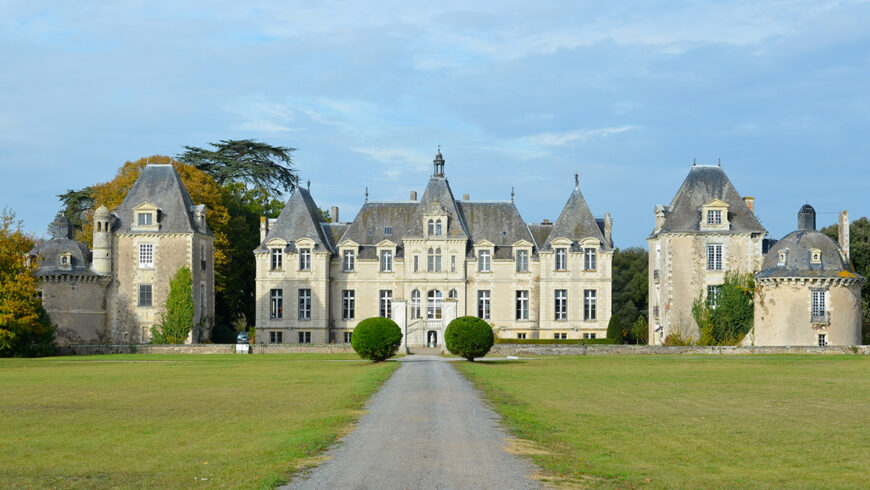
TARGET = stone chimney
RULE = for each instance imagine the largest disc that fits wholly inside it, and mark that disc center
(608, 229)
(750, 203)
(661, 212)
(546, 222)
(264, 228)
(843, 233)
(333, 213)
(466, 197)
(806, 218)
(413, 195)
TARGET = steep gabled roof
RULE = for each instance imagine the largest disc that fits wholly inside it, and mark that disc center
(576, 222)
(300, 218)
(704, 184)
(540, 232)
(161, 186)
(439, 191)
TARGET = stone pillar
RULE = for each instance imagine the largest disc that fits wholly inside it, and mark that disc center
(448, 314)
(400, 316)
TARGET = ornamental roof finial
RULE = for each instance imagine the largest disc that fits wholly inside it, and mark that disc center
(576, 181)
(367, 193)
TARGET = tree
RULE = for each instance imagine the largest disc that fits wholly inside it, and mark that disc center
(859, 254)
(25, 328)
(468, 337)
(176, 324)
(376, 338)
(614, 330)
(630, 291)
(76, 206)
(263, 167)
(727, 318)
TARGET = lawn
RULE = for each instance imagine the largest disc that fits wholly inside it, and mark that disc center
(691, 422)
(163, 421)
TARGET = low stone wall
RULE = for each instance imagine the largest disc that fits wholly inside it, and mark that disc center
(205, 349)
(652, 350)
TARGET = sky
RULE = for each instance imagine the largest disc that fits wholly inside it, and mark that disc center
(518, 95)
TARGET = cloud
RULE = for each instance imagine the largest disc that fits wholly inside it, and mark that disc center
(581, 135)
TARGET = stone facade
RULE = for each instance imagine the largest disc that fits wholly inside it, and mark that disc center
(423, 262)
(117, 292)
(807, 292)
(706, 231)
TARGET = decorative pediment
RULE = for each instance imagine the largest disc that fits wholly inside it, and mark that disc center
(276, 243)
(146, 206)
(522, 244)
(386, 244)
(484, 244)
(561, 242)
(435, 209)
(715, 203)
(590, 243)
(305, 243)
(348, 244)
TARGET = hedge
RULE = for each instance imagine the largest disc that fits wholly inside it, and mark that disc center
(556, 341)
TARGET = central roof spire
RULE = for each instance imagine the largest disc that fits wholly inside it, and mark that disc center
(439, 163)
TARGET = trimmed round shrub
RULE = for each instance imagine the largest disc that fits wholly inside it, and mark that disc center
(468, 337)
(376, 338)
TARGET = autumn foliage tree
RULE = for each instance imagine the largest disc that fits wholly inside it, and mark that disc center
(25, 329)
(176, 324)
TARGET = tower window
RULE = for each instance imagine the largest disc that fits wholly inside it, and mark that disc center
(714, 257)
(277, 259)
(561, 259)
(145, 296)
(146, 255)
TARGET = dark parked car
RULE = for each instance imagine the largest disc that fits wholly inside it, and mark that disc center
(242, 338)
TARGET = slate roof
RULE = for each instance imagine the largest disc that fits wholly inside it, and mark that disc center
(49, 253)
(160, 185)
(576, 223)
(540, 232)
(797, 264)
(497, 222)
(439, 191)
(703, 184)
(300, 218)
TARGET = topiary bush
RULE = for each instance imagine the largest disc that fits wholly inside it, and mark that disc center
(376, 338)
(469, 337)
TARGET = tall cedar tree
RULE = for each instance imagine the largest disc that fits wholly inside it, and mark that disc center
(25, 329)
(630, 293)
(176, 324)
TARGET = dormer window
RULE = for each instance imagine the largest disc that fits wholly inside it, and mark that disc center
(304, 259)
(438, 227)
(522, 261)
(145, 219)
(561, 259)
(388, 230)
(590, 259)
(483, 261)
(714, 217)
(277, 259)
(783, 257)
(65, 260)
(815, 256)
(348, 261)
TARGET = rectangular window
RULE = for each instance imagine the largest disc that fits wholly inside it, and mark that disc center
(276, 337)
(388, 230)
(590, 259)
(145, 296)
(305, 259)
(145, 219)
(590, 305)
(585, 335)
(714, 257)
(386, 303)
(348, 304)
(348, 261)
(823, 339)
(277, 259)
(714, 217)
(713, 295)
(522, 261)
(202, 261)
(348, 336)
(276, 304)
(483, 304)
(416, 263)
(561, 304)
(304, 337)
(561, 259)
(146, 255)
(386, 261)
(818, 304)
(522, 305)
(483, 261)
(305, 304)
(521, 335)
(452, 263)
(560, 335)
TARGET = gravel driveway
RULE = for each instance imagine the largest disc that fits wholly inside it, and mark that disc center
(425, 428)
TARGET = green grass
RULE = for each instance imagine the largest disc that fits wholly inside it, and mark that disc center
(766, 421)
(165, 421)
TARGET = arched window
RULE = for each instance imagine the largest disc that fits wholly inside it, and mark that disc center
(452, 294)
(415, 304)
(438, 227)
(433, 305)
(431, 227)
(99, 226)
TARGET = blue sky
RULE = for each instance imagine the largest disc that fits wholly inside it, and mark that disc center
(518, 94)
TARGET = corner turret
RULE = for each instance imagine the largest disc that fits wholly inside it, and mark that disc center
(102, 244)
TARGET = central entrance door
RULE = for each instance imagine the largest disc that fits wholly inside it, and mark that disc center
(431, 338)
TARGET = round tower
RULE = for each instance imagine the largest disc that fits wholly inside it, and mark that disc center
(102, 249)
